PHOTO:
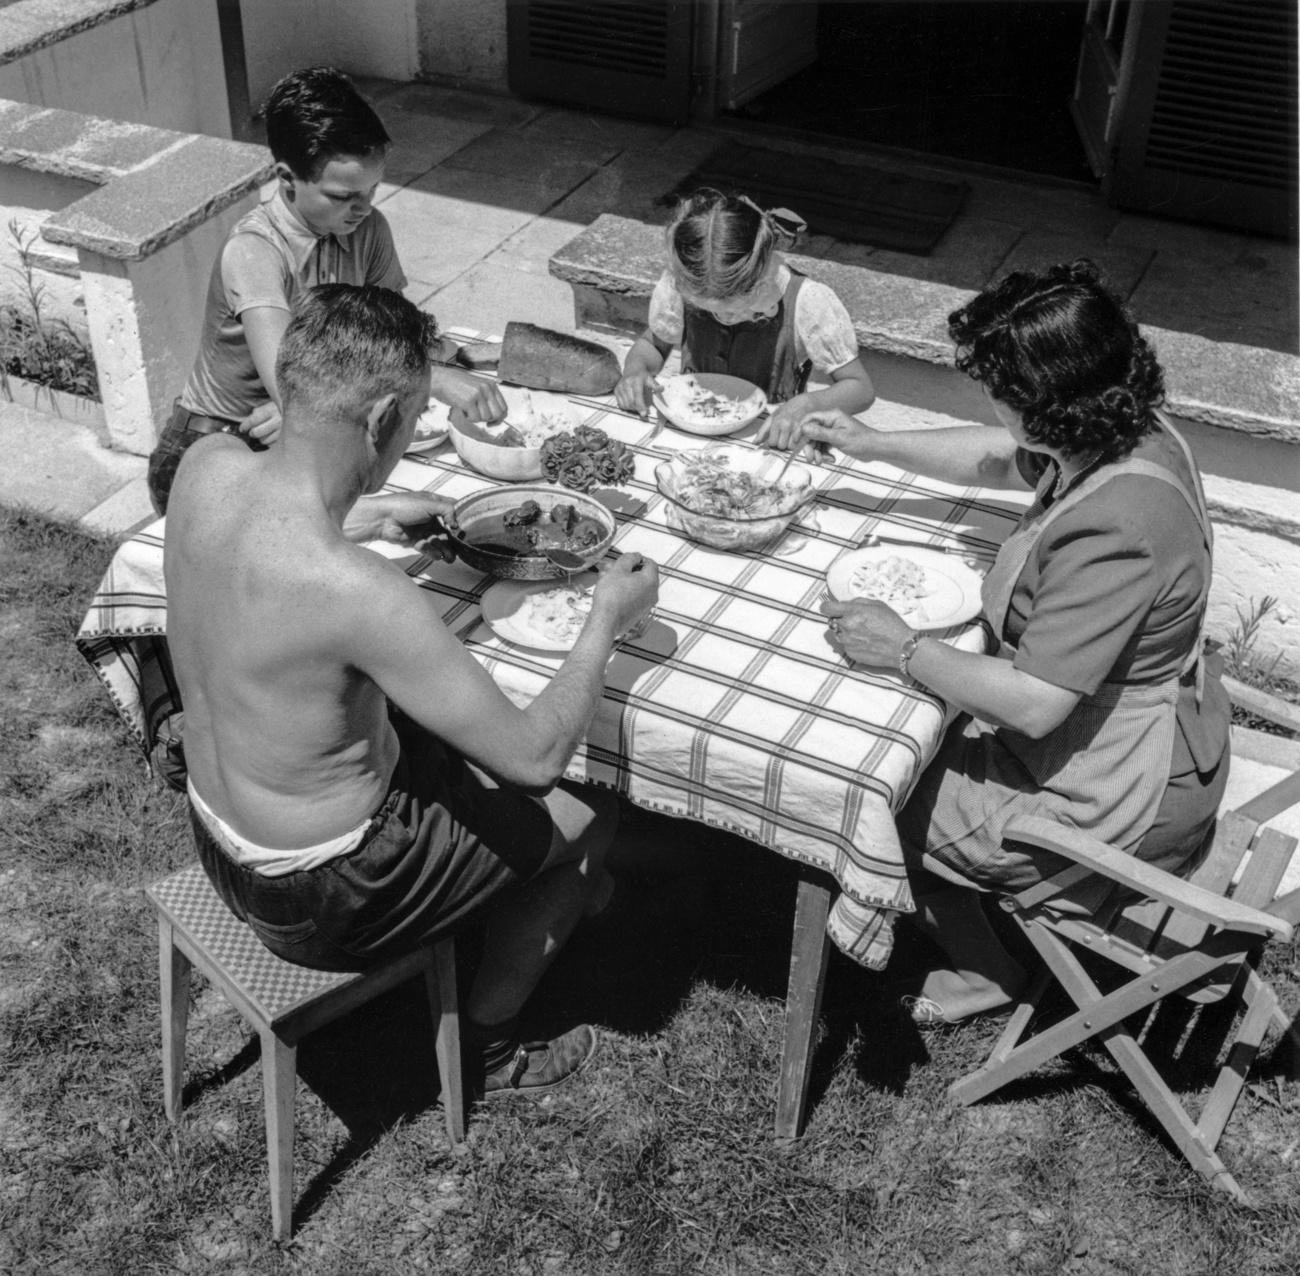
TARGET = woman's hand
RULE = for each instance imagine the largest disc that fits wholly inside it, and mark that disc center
(478, 399)
(867, 632)
(826, 430)
(633, 392)
(414, 519)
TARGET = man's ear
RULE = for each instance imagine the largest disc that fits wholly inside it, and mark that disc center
(382, 419)
(284, 175)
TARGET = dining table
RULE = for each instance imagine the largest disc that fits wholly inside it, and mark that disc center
(729, 709)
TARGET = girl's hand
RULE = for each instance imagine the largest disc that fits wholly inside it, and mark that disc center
(633, 393)
(867, 632)
(784, 423)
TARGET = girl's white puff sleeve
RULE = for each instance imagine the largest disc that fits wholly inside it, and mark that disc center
(667, 313)
(823, 330)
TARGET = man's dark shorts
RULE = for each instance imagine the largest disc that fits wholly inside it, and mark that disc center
(442, 844)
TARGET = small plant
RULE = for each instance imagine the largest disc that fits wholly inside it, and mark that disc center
(46, 351)
(1243, 662)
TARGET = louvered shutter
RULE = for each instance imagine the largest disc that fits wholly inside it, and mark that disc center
(1211, 134)
(629, 57)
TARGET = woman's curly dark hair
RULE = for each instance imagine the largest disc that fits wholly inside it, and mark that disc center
(1059, 347)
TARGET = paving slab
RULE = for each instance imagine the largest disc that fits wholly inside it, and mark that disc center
(422, 141)
(433, 254)
(596, 130)
(555, 161)
(461, 104)
(460, 200)
(57, 468)
(1243, 299)
(123, 513)
(970, 253)
(532, 247)
(1123, 266)
(487, 296)
(1073, 209)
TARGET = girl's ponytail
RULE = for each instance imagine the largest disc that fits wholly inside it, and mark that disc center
(719, 246)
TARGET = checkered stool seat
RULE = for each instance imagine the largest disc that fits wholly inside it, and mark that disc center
(283, 1002)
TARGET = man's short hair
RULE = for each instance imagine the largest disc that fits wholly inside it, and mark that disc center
(347, 346)
(316, 115)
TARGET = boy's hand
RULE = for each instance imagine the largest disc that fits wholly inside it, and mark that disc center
(404, 518)
(262, 423)
(630, 585)
(478, 399)
(633, 393)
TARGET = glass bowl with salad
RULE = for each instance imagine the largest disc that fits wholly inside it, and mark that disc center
(729, 496)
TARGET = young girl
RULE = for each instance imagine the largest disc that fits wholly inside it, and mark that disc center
(731, 303)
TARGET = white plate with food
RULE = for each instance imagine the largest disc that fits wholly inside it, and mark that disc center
(929, 589)
(709, 403)
(432, 428)
(546, 615)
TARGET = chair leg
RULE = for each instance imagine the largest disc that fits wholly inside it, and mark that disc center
(809, 951)
(174, 989)
(1261, 1002)
(279, 1080)
(444, 1002)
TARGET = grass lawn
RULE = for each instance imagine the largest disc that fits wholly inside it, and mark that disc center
(658, 1159)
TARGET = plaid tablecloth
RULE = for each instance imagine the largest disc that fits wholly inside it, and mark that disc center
(731, 709)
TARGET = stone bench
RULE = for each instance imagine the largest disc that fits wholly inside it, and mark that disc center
(148, 213)
(613, 264)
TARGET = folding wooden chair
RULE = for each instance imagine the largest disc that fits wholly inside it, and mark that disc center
(1198, 938)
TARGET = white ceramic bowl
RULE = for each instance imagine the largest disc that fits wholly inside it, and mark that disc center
(732, 532)
(477, 445)
(726, 387)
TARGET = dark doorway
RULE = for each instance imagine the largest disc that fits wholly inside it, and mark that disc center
(987, 81)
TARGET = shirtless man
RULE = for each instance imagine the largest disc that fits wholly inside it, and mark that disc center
(358, 784)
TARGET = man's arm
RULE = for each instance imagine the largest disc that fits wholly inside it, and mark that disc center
(399, 640)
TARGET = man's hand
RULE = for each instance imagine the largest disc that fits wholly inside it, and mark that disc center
(404, 518)
(478, 399)
(262, 423)
(629, 586)
(633, 393)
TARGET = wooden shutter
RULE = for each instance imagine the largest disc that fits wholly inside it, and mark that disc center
(1209, 124)
(629, 57)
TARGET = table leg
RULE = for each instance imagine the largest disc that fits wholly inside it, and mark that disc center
(809, 950)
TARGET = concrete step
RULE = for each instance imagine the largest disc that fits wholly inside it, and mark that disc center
(612, 266)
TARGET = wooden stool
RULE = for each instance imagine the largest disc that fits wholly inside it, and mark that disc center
(283, 1002)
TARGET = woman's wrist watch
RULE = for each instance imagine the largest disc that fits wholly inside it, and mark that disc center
(906, 652)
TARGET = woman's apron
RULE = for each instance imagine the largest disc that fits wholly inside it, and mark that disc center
(1106, 767)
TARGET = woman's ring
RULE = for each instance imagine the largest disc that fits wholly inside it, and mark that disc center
(835, 626)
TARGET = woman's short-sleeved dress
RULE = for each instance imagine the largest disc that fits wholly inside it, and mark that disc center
(1111, 593)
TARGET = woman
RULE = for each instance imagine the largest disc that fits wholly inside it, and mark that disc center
(1096, 709)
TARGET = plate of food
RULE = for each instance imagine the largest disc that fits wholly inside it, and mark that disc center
(432, 428)
(547, 615)
(709, 403)
(928, 588)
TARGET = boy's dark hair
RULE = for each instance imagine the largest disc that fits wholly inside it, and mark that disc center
(1059, 347)
(316, 114)
(347, 346)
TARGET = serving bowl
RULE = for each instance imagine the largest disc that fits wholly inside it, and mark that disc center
(719, 383)
(483, 448)
(726, 496)
(475, 526)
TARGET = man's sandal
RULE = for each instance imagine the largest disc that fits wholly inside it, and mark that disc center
(539, 1067)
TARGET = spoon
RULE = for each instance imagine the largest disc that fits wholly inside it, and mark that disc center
(565, 559)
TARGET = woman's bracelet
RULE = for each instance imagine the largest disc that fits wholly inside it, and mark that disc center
(906, 652)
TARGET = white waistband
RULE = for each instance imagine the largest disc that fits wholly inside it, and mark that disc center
(265, 859)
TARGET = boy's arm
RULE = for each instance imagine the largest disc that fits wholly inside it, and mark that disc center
(264, 330)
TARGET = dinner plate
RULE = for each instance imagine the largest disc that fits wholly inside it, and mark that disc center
(953, 588)
(431, 429)
(720, 384)
(507, 610)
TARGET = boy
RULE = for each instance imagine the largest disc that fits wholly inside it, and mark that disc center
(319, 227)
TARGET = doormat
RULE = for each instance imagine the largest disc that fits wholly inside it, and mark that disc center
(856, 203)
